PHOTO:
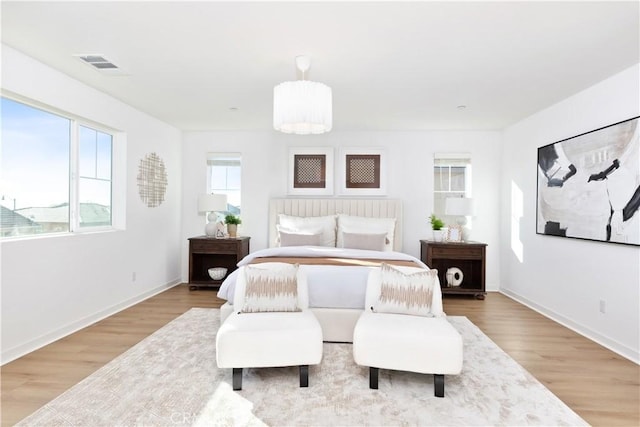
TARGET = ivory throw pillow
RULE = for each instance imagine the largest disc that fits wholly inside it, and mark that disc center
(292, 238)
(366, 225)
(271, 290)
(406, 293)
(312, 224)
(370, 242)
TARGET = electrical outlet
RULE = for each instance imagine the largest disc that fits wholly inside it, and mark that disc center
(603, 306)
(133, 276)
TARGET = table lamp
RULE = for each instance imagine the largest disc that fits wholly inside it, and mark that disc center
(460, 207)
(212, 203)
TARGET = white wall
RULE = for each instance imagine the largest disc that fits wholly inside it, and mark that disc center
(410, 163)
(52, 286)
(566, 278)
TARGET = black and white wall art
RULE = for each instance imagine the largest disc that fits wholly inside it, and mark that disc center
(589, 185)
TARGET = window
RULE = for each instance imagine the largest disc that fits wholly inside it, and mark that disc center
(224, 174)
(56, 173)
(451, 178)
(94, 177)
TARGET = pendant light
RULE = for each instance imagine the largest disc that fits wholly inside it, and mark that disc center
(302, 107)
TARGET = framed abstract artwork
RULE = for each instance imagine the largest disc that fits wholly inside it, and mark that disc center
(310, 171)
(589, 185)
(363, 172)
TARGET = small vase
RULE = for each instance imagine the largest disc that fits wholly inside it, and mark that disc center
(232, 229)
(438, 235)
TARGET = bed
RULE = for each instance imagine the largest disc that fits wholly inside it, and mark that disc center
(336, 256)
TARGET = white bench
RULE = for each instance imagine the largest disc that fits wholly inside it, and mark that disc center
(278, 339)
(428, 345)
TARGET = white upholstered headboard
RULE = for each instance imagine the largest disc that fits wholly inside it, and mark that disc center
(373, 208)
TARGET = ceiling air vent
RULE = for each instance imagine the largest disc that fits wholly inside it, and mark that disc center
(100, 63)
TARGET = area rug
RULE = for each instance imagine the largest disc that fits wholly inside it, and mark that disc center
(171, 379)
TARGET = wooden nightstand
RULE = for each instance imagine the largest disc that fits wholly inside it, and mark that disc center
(207, 252)
(467, 256)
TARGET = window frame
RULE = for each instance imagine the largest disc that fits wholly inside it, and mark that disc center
(452, 160)
(75, 177)
(118, 145)
(222, 156)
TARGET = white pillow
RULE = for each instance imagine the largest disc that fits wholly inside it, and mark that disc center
(371, 242)
(311, 224)
(270, 289)
(305, 238)
(407, 293)
(241, 282)
(366, 225)
(374, 290)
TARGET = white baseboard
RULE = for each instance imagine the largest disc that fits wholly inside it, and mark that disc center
(22, 349)
(616, 347)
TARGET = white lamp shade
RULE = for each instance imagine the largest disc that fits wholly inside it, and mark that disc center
(212, 202)
(459, 206)
(302, 107)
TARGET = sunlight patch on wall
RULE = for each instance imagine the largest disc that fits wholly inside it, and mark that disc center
(516, 214)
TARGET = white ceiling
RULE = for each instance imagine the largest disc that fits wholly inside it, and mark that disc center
(391, 65)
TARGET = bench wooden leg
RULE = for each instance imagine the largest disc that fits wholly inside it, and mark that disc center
(304, 375)
(237, 378)
(373, 378)
(438, 385)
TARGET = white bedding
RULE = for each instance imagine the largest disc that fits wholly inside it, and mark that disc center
(330, 286)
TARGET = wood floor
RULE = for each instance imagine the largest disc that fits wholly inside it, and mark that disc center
(602, 387)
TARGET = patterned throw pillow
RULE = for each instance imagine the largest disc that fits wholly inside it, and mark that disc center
(271, 290)
(406, 293)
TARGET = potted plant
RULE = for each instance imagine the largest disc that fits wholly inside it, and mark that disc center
(437, 226)
(232, 222)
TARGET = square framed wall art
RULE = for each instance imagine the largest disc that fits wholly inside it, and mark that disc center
(589, 185)
(363, 172)
(310, 171)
